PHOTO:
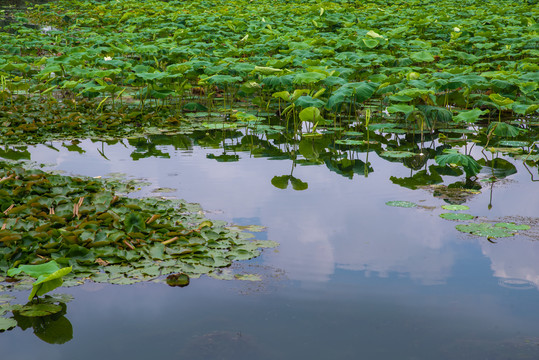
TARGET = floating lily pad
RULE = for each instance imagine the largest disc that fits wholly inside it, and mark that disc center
(179, 279)
(485, 229)
(7, 324)
(404, 204)
(456, 216)
(455, 207)
(512, 226)
(38, 310)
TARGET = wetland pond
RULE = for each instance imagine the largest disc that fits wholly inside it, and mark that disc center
(390, 150)
(351, 276)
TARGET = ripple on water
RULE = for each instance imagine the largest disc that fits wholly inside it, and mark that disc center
(516, 284)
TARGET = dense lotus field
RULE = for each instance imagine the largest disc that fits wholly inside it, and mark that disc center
(94, 66)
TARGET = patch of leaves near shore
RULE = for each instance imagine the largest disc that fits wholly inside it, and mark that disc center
(105, 237)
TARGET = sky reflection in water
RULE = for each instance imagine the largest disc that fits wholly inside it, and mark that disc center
(351, 277)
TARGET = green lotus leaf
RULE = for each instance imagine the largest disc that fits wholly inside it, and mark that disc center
(370, 43)
(500, 100)
(134, 222)
(308, 78)
(223, 79)
(264, 70)
(422, 56)
(512, 226)
(503, 129)
(284, 95)
(455, 207)
(404, 204)
(38, 310)
(456, 216)
(310, 114)
(471, 167)
(469, 116)
(400, 108)
(35, 271)
(7, 324)
(524, 109)
(484, 229)
(306, 101)
(513, 143)
(46, 283)
(398, 154)
(382, 126)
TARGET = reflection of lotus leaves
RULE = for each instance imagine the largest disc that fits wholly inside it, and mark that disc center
(415, 162)
(453, 195)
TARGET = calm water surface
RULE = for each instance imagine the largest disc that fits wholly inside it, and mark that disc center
(352, 278)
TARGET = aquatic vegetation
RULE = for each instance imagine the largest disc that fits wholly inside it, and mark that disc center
(49, 276)
(55, 227)
(456, 216)
(405, 204)
(121, 66)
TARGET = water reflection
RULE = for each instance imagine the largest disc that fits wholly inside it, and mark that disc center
(53, 328)
(358, 272)
(515, 261)
(355, 231)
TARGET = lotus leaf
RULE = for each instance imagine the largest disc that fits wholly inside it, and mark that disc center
(455, 207)
(405, 204)
(7, 323)
(512, 226)
(485, 229)
(456, 216)
(471, 167)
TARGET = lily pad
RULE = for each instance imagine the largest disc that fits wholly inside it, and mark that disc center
(7, 324)
(512, 226)
(485, 229)
(456, 216)
(38, 310)
(455, 207)
(404, 204)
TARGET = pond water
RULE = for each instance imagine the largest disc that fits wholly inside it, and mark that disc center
(352, 277)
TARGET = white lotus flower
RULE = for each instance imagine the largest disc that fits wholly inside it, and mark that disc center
(107, 58)
(456, 29)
